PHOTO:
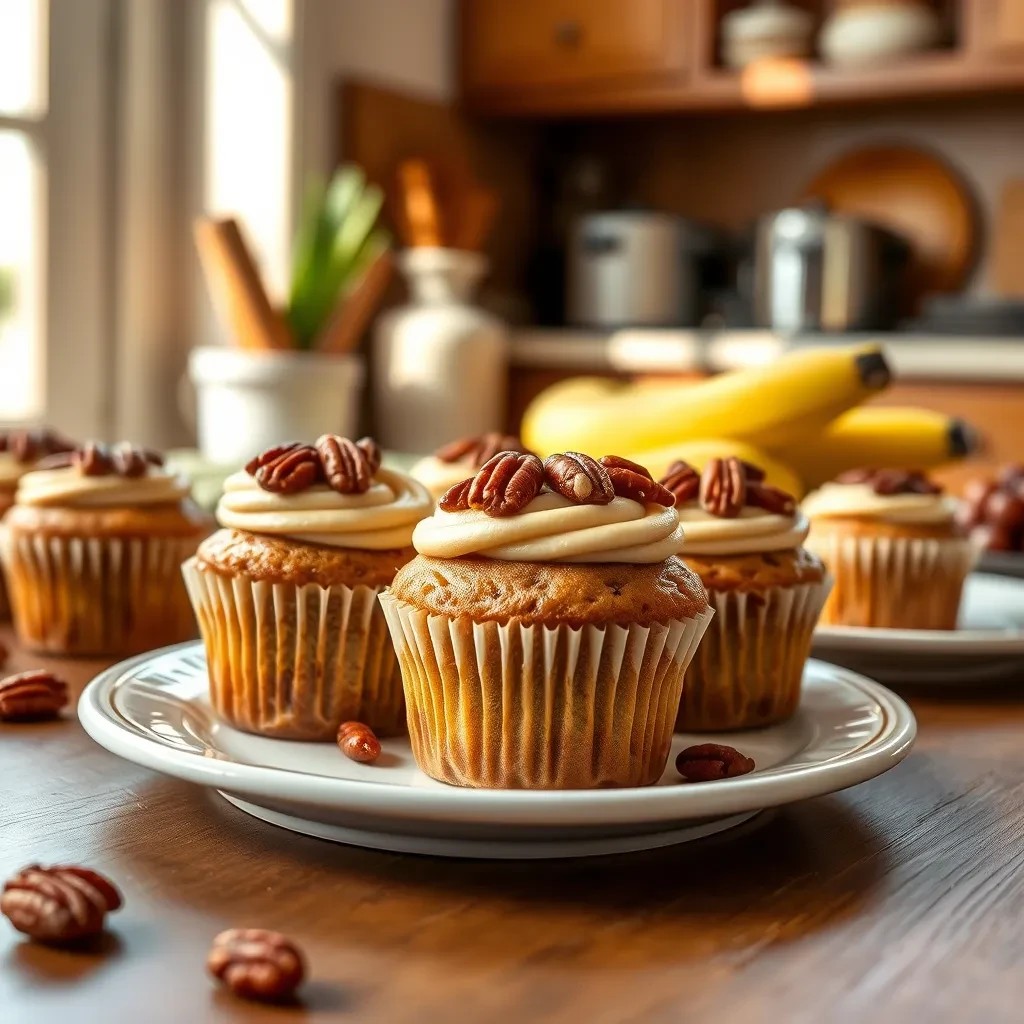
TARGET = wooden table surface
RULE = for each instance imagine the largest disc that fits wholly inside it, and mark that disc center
(902, 899)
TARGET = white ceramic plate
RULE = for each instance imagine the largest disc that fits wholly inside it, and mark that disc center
(153, 710)
(987, 645)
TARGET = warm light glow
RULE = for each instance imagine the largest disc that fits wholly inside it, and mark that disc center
(777, 82)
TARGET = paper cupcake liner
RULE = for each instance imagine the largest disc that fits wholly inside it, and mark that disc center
(98, 595)
(519, 706)
(894, 582)
(296, 661)
(748, 670)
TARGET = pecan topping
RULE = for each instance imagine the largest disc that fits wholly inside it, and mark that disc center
(358, 742)
(631, 480)
(32, 444)
(32, 696)
(288, 470)
(506, 484)
(97, 459)
(723, 487)
(478, 450)
(579, 478)
(59, 904)
(254, 963)
(683, 481)
(456, 498)
(891, 481)
(771, 499)
(347, 465)
(269, 455)
(707, 762)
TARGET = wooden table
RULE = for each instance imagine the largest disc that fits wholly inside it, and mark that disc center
(902, 899)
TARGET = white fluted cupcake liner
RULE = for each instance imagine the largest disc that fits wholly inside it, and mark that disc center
(514, 706)
(296, 661)
(894, 582)
(97, 595)
(748, 670)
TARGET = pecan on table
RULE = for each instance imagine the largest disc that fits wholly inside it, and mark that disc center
(480, 449)
(32, 696)
(579, 478)
(347, 465)
(683, 480)
(506, 484)
(258, 964)
(631, 480)
(59, 904)
(358, 742)
(707, 762)
(293, 469)
(723, 487)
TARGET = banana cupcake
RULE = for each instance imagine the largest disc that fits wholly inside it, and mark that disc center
(891, 540)
(453, 462)
(744, 539)
(92, 551)
(20, 450)
(544, 627)
(286, 593)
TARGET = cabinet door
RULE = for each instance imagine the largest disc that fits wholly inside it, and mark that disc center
(513, 44)
(1000, 27)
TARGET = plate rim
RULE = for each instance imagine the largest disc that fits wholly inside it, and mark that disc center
(878, 639)
(510, 807)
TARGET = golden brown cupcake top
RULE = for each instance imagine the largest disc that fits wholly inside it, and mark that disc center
(888, 495)
(495, 590)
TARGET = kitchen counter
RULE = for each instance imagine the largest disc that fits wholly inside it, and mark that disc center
(635, 351)
(896, 900)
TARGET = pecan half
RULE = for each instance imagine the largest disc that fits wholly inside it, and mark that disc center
(292, 471)
(29, 445)
(268, 455)
(579, 478)
(754, 474)
(347, 467)
(60, 904)
(707, 762)
(506, 484)
(32, 696)
(358, 742)
(127, 460)
(92, 459)
(891, 481)
(631, 480)
(478, 450)
(369, 447)
(683, 481)
(723, 487)
(456, 498)
(254, 963)
(771, 499)
(861, 475)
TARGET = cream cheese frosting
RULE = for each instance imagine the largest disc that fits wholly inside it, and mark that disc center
(379, 519)
(552, 528)
(68, 488)
(437, 475)
(860, 501)
(753, 530)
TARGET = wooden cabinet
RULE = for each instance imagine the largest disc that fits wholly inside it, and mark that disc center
(999, 27)
(541, 50)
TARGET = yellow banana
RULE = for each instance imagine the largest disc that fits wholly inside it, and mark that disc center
(697, 453)
(769, 406)
(879, 436)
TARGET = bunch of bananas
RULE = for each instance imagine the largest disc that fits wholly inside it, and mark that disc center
(799, 418)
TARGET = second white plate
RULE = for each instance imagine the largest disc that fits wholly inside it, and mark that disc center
(154, 710)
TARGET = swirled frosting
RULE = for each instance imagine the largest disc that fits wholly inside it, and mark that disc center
(68, 488)
(379, 519)
(753, 530)
(859, 501)
(437, 475)
(554, 529)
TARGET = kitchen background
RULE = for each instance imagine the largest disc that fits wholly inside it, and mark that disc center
(507, 128)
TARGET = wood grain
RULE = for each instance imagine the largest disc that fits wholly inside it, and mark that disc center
(897, 900)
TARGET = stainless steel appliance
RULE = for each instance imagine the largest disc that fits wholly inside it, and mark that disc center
(634, 268)
(821, 271)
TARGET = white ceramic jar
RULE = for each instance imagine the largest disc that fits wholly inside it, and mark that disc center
(863, 34)
(439, 363)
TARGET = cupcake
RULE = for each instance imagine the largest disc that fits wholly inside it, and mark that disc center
(891, 541)
(20, 450)
(286, 593)
(92, 551)
(744, 538)
(453, 462)
(544, 626)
